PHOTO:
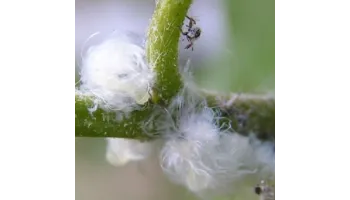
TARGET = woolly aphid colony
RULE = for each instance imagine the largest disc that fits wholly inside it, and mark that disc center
(197, 152)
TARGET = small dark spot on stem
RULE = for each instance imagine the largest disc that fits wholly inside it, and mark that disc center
(258, 190)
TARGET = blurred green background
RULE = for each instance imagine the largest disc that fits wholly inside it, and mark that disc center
(247, 64)
(236, 52)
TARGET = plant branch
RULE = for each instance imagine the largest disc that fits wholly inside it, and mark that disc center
(162, 47)
(93, 121)
(247, 114)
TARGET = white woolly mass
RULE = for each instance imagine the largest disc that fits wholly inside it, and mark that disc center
(121, 151)
(205, 157)
(116, 71)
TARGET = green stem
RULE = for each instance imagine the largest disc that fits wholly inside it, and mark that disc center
(162, 47)
(248, 114)
(102, 123)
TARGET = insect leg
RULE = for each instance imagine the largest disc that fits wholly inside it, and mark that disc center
(189, 45)
(183, 33)
(192, 21)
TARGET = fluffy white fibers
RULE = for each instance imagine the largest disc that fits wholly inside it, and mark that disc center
(122, 151)
(116, 71)
(200, 154)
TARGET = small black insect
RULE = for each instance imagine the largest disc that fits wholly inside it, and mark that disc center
(258, 190)
(265, 191)
(193, 32)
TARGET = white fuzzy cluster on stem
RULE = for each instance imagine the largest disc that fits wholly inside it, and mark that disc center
(205, 156)
(116, 71)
